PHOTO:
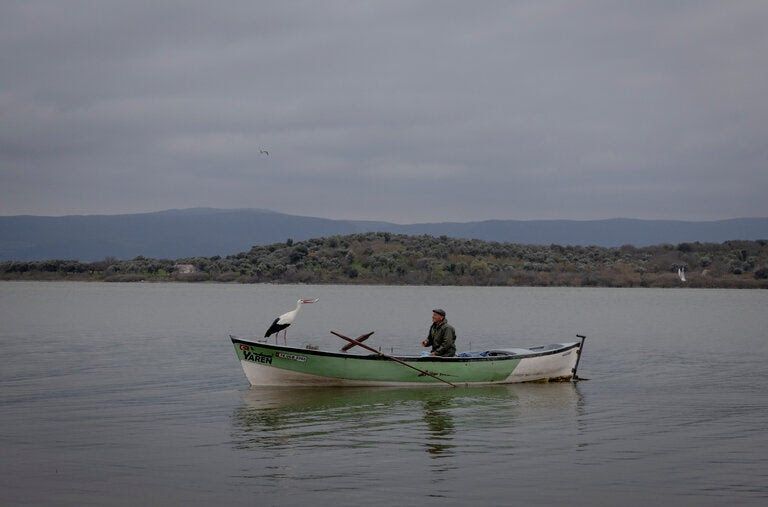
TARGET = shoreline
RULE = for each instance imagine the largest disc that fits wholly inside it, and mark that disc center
(737, 284)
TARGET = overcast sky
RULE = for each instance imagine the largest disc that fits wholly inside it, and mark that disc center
(403, 111)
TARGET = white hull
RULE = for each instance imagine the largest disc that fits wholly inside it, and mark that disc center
(538, 366)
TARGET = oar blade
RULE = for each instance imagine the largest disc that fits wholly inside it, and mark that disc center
(360, 338)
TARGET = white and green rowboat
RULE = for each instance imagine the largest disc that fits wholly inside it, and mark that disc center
(265, 364)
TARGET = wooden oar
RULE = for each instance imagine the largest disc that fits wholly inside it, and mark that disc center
(360, 338)
(366, 347)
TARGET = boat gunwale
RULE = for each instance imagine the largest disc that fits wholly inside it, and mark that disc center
(428, 359)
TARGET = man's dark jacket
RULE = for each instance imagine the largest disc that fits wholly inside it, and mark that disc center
(442, 339)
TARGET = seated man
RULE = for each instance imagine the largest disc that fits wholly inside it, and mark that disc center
(441, 337)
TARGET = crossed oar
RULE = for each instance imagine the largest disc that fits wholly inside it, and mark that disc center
(359, 342)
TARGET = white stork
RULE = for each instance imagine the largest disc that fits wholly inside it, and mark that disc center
(282, 322)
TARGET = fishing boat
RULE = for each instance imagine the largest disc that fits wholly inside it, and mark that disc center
(266, 364)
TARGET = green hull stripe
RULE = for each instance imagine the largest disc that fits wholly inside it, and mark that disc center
(375, 368)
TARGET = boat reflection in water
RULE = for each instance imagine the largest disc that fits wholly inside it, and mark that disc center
(396, 419)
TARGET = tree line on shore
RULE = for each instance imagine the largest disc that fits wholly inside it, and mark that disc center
(393, 259)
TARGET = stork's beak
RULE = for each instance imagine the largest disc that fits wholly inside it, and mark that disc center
(305, 301)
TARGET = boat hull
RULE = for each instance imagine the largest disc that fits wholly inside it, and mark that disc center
(275, 365)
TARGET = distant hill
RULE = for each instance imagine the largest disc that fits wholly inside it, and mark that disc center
(206, 232)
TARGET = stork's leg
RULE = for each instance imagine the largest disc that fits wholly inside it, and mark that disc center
(285, 335)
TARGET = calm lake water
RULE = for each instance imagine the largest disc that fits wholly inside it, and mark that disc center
(128, 394)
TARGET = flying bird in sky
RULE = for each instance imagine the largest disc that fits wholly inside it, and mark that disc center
(282, 322)
(264, 152)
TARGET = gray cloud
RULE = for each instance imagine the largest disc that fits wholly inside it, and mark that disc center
(399, 111)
